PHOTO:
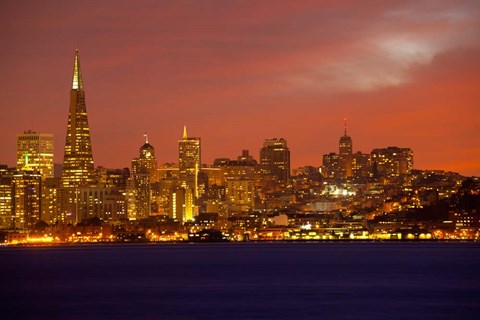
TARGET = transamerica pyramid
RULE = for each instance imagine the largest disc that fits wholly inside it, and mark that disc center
(78, 168)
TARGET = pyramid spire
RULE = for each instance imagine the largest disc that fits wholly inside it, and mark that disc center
(77, 83)
(78, 167)
(185, 136)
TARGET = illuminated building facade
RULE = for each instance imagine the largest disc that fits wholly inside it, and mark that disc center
(50, 206)
(345, 147)
(391, 162)
(346, 165)
(6, 197)
(144, 172)
(27, 198)
(113, 178)
(331, 166)
(166, 185)
(189, 162)
(78, 168)
(105, 203)
(240, 194)
(37, 149)
(239, 176)
(177, 205)
(361, 166)
(146, 162)
(275, 161)
(131, 199)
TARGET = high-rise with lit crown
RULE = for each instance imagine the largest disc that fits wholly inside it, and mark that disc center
(78, 168)
(345, 142)
(189, 162)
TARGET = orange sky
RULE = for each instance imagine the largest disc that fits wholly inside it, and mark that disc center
(405, 73)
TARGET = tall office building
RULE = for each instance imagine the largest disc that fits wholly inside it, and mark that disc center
(6, 197)
(144, 172)
(37, 149)
(340, 166)
(78, 168)
(345, 150)
(27, 185)
(50, 205)
(345, 145)
(189, 162)
(239, 179)
(361, 166)
(275, 160)
(146, 163)
(331, 166)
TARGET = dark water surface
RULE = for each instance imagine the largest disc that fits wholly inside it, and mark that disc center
(242, 281)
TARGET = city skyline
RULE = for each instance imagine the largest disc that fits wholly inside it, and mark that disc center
(420, 92)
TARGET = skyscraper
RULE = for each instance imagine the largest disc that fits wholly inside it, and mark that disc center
(27, 196)
(275, 160)
(37, 149)
(189, 162)
(345, 153)
(345, 143)
(144, 172)
(7, 194)
(78, 168)
(146, 163)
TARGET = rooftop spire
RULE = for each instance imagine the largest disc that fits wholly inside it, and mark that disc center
(77, 73)
(146, 137)
(345, 126)
(185, 132)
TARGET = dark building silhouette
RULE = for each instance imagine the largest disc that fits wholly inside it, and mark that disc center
(275, 161)
(345, 147)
